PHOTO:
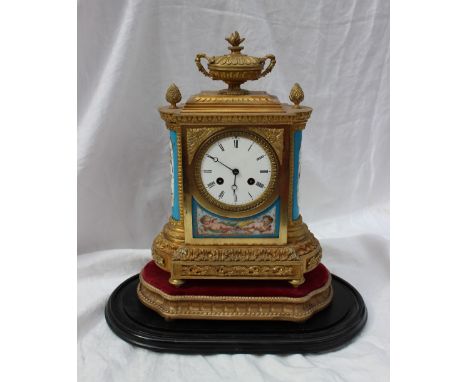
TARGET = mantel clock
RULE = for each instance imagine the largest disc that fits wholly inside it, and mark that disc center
(235, 245)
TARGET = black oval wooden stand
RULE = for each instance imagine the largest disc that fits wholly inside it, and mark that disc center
(328, 330)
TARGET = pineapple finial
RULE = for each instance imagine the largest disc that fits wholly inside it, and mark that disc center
(296, 95)
(173, 95)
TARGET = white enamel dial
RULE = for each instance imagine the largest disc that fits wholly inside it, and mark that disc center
(236, 169)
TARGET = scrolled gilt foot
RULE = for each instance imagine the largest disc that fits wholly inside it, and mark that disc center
(295, 283)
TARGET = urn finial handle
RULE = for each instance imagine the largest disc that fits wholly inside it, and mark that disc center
(200, 67)
(270, 67)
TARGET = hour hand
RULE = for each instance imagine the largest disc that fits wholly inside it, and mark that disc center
(214, 158)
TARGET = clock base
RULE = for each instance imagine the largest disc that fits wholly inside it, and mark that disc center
(235, 299)
(184, 261)
(330, 329)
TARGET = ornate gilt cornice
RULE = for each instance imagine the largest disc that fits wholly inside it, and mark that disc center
(214, 102)
(174, 118)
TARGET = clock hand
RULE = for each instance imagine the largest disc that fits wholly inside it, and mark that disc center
(215, 159)
(234, 187)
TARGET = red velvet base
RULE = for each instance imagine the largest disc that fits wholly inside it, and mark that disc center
(158, 278)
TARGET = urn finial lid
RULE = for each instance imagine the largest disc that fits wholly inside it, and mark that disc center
(235, 68)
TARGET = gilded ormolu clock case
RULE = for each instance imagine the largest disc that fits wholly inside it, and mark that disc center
(181, 249)
(287, 250)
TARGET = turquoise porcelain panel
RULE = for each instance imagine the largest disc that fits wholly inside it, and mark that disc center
(296, 174)
(174, 175)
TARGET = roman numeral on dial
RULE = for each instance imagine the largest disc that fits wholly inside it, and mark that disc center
(236, 143)
(207, 171)
(261, 157)
(211, 184)
(264, 171)
(260, 184)
(221, 194)
(221, 146)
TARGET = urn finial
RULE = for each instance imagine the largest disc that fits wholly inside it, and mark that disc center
(235, 68)
(173, 95)
(296, 95)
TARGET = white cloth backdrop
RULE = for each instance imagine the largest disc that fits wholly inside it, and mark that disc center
(129, 53)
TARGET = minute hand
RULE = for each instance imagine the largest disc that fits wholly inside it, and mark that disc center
(215, 159)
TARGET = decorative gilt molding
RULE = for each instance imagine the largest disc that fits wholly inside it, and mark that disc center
(159, 260)
(162, 250)
(196, 136)
(236, 271)
(314, 260)
(280, 263)
(274, 137)
(233, 99)
(304, 243)
(235, 254)
(235, 307)
(180, 173)
(161, 243)
(173, 119)
(299, 126)
(291, 177)
(167, 242)
(308, 244)
(215, 102)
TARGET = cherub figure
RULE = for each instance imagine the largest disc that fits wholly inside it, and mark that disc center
(212, 224)
(262, 226)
